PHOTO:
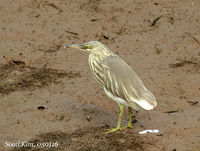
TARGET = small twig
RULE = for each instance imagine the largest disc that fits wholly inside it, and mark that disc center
(52, 5)
(38, 4)
(170, 112)
(182, 63)
(193, 38)
(155, 20)
(71, 32)
(45, 65)
(105, 37)
(196, 40)
(94, 19)
(193, 103)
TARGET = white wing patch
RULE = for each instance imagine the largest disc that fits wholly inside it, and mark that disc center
(144, 104)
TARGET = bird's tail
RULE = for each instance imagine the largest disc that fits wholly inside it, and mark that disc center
(147, 101)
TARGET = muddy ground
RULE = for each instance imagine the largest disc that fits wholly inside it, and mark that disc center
(48, 95)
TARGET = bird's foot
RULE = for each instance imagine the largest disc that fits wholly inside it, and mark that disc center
(128, 126)
(112, 130)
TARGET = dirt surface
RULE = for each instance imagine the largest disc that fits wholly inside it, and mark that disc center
(90, 139)
(48, 95)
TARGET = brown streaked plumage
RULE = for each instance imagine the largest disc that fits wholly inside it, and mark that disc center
(118, 79)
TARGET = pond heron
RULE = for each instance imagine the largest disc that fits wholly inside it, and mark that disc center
(118, 79)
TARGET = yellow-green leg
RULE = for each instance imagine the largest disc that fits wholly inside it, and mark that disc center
(119, 120)
(130, 119)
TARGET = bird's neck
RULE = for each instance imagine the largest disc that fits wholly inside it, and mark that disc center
(98, 57)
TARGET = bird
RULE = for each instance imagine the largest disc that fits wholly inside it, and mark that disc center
(118, 80)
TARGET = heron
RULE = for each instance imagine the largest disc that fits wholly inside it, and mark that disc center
(118, 80)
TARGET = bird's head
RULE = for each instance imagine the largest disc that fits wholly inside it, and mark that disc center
(93, 47)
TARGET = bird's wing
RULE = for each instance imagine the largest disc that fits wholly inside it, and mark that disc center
(124, 83)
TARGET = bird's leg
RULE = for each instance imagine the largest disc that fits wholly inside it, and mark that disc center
(120, 116)
(130, 119)
(119, 120)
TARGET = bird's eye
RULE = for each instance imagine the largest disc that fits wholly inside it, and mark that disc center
(86, 46)
(89, 46)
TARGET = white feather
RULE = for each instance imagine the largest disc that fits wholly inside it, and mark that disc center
(144, 104)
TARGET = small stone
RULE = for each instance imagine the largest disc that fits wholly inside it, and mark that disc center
(61, 117)
(74, 139)
(88, 117)
(122, 140)
(40, 107)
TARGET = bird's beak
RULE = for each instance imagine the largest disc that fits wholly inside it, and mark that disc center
(77, 46)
